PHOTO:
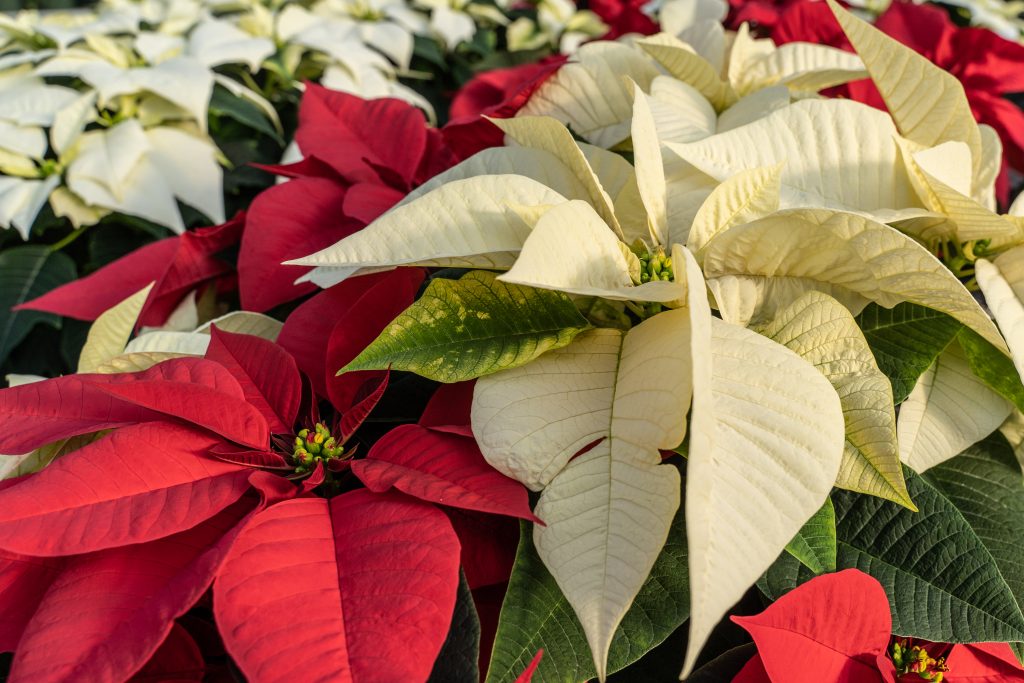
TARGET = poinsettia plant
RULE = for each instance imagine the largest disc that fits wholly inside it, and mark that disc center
(670, 337)
(148, 118)
(234, 448)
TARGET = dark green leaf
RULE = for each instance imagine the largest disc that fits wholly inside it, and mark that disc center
(27, 272)
(815, 544)
(536, 615)
(467, 328)
(985, 484)
(224, 103)
(943, 583)
(459, 659)
(906, 340)
(430, 50)
(785, 574)
(725, 666)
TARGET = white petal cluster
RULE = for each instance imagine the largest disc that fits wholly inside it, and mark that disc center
(107, 110)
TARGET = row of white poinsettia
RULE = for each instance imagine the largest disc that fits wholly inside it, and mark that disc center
(107, 110)
(787, 214)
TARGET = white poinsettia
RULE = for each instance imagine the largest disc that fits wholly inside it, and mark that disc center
(184, 82)
(592, 96)
(141, 172)
(138, 108)
(560, 23)
(215, 42)
(696, 22)
(386, 25)
(999, 16)
(455, 21)
(505, 190)
(28, 106)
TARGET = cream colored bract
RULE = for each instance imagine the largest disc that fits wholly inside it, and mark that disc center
(722, 266)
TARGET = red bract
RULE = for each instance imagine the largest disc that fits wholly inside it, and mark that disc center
(178, 659)
(441, 468)
(333, 327)
(106, 613)
(449, 408)
(102, 550)
(350, 176)
(177, 265)
(988, 66)
(836, 627)
(623, 16)
(762, 14)
(371, 578)
(496, 94)
(527, 674)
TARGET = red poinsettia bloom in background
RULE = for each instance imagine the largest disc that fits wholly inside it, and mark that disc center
(763, 14)
(988, 66)
(194, 486)
(623, 16)
(497, 94)
(352, 172)
(178, 266)
(836, 628)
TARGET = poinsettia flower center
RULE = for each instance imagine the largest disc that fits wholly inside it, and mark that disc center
(315, 446)
(915, 662)
(960, 259)
(654, 264)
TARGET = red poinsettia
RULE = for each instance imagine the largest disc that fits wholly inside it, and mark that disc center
(836, 627)
(624, 16)
(349, 316)
(207, 477)
(352, 172)
(178, 265)
(988, 66)
(496, 94)
(761, 14)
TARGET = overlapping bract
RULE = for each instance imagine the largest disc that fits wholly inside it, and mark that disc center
(725, 163)
(708, 296)
(179, 487)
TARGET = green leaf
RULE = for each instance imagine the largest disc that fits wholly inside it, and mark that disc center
(27, 272)
(906, 340)
(785, 574)
(429, 50)
(467, 328)
(815, 545)
(459, 659)
(992, 366)
(985, 484)
(536, 615)
(725, 666)
(943, 583)
(224, 103)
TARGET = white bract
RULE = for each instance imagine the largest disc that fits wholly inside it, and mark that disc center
(147, 77)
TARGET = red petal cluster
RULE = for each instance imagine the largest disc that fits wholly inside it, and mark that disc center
(176, 266)
(836, 627)
(351, 174)
(497, 94)
(623, 16)
(102, 551)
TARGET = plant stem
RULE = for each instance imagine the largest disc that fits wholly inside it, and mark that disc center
(68, 239)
